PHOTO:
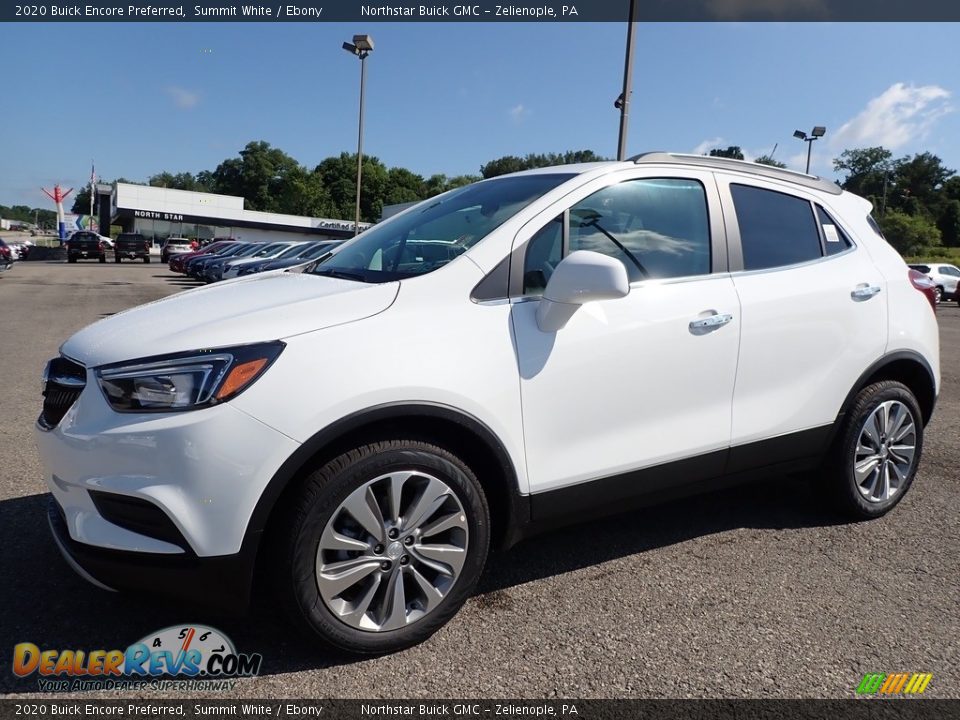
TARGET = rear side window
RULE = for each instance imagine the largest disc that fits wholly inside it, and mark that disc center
(835, 240)
(775, 229)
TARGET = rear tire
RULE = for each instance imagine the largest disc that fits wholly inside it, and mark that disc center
(103, 258)
(937, 294)
(875, 456)
(116, 259)
(71, 259)
(146, 260)
(412, 561)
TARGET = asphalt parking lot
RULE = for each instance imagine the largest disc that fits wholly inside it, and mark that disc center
(753, 592)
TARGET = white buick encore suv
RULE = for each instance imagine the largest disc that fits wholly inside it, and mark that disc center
(534, 349)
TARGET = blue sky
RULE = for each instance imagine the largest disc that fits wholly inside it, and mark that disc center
(445, 98)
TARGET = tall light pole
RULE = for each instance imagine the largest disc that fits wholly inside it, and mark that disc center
(361, 46)
(622, 103)
(818, 132)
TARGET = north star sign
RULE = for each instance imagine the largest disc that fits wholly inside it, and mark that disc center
(157, 216)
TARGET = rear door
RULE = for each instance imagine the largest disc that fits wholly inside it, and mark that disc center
(813, 314)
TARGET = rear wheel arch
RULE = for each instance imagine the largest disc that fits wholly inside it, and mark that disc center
(461, 434)
(907, 367)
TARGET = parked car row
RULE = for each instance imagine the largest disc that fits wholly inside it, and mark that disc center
(229, 259)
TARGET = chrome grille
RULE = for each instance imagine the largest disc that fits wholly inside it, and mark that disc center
(63, 381)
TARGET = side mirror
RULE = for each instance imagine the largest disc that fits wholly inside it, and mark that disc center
(581, 277)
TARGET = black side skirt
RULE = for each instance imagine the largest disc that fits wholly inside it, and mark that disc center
(796, 452)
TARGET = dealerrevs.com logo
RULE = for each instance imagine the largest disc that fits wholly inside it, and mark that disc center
(181, 657)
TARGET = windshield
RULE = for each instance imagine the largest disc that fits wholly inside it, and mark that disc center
(292, 251)
(315, 251)
(436, 231)
(272, 247)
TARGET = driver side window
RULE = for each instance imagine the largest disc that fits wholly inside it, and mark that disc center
(657, 227)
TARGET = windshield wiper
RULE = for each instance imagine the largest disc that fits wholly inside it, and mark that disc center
(342, 274)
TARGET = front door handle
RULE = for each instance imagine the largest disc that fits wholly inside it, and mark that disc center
(713, 321)
(864, 291)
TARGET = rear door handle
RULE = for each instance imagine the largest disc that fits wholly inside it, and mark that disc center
(713, 321)
(864, 291)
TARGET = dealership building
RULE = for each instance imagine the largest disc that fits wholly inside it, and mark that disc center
(158, 213)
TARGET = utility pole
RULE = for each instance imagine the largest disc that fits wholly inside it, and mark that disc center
(623, 102)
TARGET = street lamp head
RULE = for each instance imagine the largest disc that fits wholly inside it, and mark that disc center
(351, 48)
(363, 42)
(819, 131)
(800, 134)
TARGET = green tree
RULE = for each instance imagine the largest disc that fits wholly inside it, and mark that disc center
(733, 151)
(921, 178)
(767, 160)
(339, 177)
(865, 170)
(512, 163)
(178, 181)
(258, 176)
(949, 223)
(909, 234)
(303, 193)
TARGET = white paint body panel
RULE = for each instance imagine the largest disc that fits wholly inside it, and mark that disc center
(624, 385)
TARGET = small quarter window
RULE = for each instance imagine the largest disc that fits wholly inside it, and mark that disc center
(835, 239)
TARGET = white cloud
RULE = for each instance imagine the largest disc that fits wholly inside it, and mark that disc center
(707, 145)
(182, 98)
(898, 116)
(519, 112)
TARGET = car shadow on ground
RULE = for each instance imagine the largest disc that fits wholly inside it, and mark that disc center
(45, 603)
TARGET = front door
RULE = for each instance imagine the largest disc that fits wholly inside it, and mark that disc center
(640, 381)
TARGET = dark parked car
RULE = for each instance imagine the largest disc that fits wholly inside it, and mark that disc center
(298, 256)
(178, 263)
(131, 245)
(86, 244)
(195, 266)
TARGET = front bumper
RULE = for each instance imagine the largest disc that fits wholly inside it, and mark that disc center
(221, 582)
(205, 470)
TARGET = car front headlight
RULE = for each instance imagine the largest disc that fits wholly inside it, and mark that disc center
(185, 381)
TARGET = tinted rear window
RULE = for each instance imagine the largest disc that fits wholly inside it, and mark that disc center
(776, 229)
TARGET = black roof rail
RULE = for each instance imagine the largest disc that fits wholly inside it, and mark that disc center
(721, 163)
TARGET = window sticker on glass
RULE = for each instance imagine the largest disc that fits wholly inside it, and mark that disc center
(831, 232)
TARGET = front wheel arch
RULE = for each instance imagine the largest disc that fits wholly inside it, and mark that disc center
(447, 427)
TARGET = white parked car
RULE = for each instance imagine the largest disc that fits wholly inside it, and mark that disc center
(529, 350)
(945, 278)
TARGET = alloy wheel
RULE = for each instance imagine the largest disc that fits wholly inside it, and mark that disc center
(886, 451)
(392, 551)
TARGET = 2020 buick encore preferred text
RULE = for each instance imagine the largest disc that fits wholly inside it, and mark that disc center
(525, 351)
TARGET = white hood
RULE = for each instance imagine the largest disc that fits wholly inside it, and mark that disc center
(255, 309)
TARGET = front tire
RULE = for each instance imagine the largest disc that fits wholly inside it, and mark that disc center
(383, 545)
(937, 294)
(876, 455)
(117, 259)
